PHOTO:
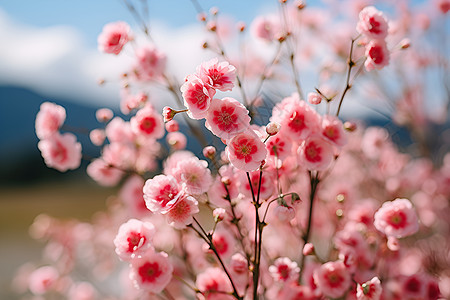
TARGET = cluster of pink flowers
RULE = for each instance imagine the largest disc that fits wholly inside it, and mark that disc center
(305, 206)
(373, 25)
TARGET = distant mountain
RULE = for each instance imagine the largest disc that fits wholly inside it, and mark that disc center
(21, 161)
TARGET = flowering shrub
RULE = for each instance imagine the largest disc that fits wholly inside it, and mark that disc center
(296, 204)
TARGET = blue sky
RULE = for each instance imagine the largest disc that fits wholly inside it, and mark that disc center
(90, 16)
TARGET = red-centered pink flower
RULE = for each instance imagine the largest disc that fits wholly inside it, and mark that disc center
(180, 215)
(197, 96)
(43, 279)
(377, 55)
(134, 238)
(61, 151)
(372, 23)
(285, 270)
(212, 281)
(333, 279)
(151, 271)
(316, 153)
(150, 63)
(227, 117)
(120, 131)
(103, 173)
(370, 290)
(195, 175)
(397, 218)
(132, 196)
(246, 151)
(297, 119)
(267, 184)
(49, 119)
(161, 193)
(113, 37)
(221, 74)
(279, 146)
(333, 130)
(148, 122)
(224, 242)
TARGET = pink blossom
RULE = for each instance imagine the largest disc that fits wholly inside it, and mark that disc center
(209, 152)
(211, 281)
(333, 130)
(265, 28)
(131, 102)
(150, 63)
(82, 291)
(308, 249)
(122, 156)
(221, 74)
(219, 214)
(396, 218)
(333, 279)
(267, 184)
(181, 213)
(273, 128)
(284, 213)
(297, 119)
(161, 193)
(176, 140)
(314, 98)
(377, 55)
(370, 290)
(148, 122)
(284, 270)
(103, 115)
(168, 113)
(113, 37)
(132, 195)
(224, 242)
(372, 23)
(61, 151)
(197, 96)
(49, 119)
(227, 117)
(246, 151)
(217, 193)
(194, 173)
(43, 279)
(279, 146)
(316, 154)
(97, 136)
(443, 5)
(134, 238)
(152, 271)
(103, 173)
(172, 126)
(120, 131)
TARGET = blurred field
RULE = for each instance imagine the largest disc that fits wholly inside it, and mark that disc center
(19, 205)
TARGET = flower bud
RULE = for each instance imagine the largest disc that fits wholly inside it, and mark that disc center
(405, 43)
(219, 214)
(314, 98)
(350, 126)
(273, 128)
(308, 249)
(172, 126)
(168, 113)
(209, 152)
(104, 115)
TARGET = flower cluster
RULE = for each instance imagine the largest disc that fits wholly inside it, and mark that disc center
(301, 206)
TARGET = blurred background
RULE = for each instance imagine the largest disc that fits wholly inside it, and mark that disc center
(48, 52)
